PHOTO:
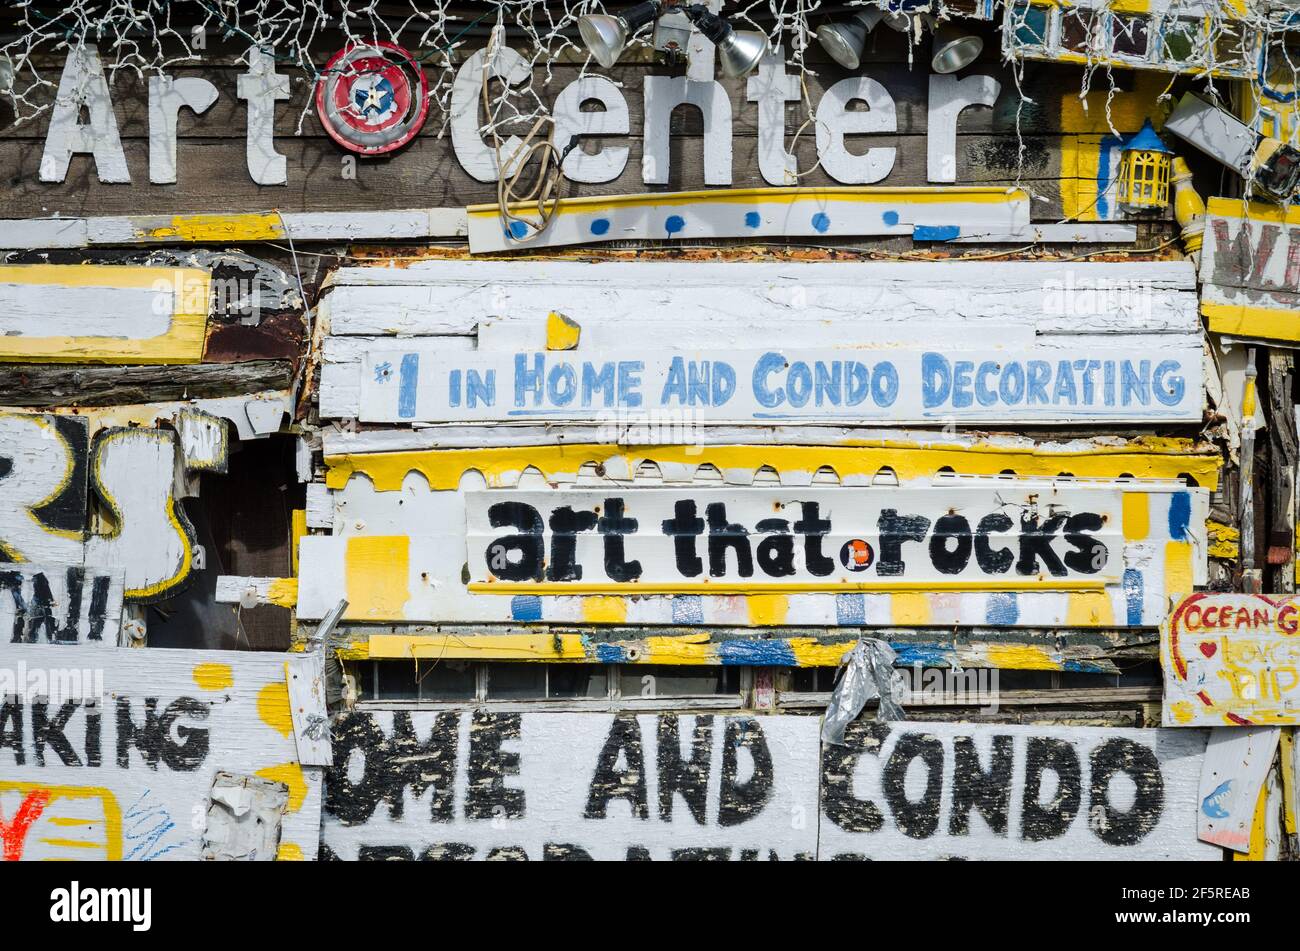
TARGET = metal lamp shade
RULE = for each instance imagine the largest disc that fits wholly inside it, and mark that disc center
(845, 41)
(740, 51)
(604, 36)
(954, 49)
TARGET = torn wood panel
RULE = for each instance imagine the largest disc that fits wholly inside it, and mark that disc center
(320, 506)
(42, 386)
(243, 819)
(126, 785)
(60, 604)
(1237, 760)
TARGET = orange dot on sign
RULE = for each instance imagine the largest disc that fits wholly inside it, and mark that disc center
(860, 554)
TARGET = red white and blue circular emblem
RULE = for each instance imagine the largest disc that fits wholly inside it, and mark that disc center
(372, 98)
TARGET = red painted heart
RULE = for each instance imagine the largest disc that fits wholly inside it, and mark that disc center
(1208, 648)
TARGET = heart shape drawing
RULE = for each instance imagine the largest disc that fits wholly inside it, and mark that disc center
(1208, 648)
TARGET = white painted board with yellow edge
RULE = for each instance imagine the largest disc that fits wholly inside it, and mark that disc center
(131, 781)
(1250, 270)
(91, 313)
(402, 552)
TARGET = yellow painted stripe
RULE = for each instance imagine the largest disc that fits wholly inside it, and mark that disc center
(477, 646)
(214, 227)
(377, 568)
(892, 195)
(1136, 516)
(298, 529)
(604, 609)
(1089, 609)
(767, 609)
(283, 592)
(729, 588)
(1290, 794)
(1144, 458)
(1021, 657)
(1258, 831)
(909, 608)
(1178, 568)
(1255, 210)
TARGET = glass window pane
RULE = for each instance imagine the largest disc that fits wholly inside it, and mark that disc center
(1076, 27)
(1181, 38)
(447, 680)
(652, 681)
(1129, 35)
(517, 682)
(396, 681)
(1030, 24)
(575, 681)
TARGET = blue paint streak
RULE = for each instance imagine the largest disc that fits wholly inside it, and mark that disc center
(821, 222)
(1085, 667)
(1212, 805)
(935, 232)
(758, 653)
(600, 226)
(674, 224)
(753, 219)
(526, 607)
(609, 653)
(850, 609)
(1103, 174)
(1133, 595)
(518, 229)
(407, 377)
(1002, 608)
(890, 218)
(1180, 515)
(688, 609)
(927, 655)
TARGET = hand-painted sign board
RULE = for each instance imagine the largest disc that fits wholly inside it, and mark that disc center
(1232, 660)
(995, 551)
(111, 754)
(785, 384)
(736, 787)
(841, 539)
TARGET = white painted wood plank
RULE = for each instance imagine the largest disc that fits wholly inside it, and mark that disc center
(305, 675)
(452, 297)
(320, 506)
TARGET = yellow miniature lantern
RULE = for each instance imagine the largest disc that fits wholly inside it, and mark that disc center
(1144, 172)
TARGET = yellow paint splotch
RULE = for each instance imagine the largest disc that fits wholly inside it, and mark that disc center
(273, 708)
(214, 676)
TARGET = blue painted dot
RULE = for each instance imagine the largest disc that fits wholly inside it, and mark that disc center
(752, 219)
(518, 229)
(821, 222)
(600, 226)
(674, 224)
(891, 218)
